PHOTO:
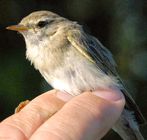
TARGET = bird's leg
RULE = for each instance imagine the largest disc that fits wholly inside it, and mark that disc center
(21, 106)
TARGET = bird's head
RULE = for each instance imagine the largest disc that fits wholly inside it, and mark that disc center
(38, 26)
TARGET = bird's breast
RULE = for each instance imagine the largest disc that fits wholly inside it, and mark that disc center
(78, 74)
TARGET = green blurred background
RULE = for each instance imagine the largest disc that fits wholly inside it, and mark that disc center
(121, 25)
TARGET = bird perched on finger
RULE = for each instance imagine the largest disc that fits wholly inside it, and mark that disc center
(73, 61)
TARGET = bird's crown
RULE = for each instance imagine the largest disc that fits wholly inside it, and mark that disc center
(39, 17)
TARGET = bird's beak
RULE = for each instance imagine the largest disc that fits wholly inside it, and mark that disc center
(19, 28)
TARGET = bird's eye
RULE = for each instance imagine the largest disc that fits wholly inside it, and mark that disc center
(42, 24)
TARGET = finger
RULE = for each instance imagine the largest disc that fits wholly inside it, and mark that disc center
(85, 117)
(21, 125)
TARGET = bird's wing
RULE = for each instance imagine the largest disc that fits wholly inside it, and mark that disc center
(93, 50)
(96, 53)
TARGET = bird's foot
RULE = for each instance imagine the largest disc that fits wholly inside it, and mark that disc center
(21, 106)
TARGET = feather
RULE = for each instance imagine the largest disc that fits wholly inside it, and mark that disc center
(96, 53)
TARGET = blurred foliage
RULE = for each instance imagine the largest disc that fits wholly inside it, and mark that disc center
(119, 25)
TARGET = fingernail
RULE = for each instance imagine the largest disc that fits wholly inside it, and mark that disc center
(63, 96)
(110, 95)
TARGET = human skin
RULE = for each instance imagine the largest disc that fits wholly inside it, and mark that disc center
(56, 115)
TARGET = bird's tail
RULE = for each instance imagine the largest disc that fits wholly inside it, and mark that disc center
(127, 127)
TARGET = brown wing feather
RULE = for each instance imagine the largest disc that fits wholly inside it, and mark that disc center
(95, 52)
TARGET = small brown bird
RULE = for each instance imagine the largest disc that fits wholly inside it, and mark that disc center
(74, 61)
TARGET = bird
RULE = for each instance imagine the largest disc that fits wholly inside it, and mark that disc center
(74, 61)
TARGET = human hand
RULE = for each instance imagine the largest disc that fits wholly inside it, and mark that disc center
(57, 116)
